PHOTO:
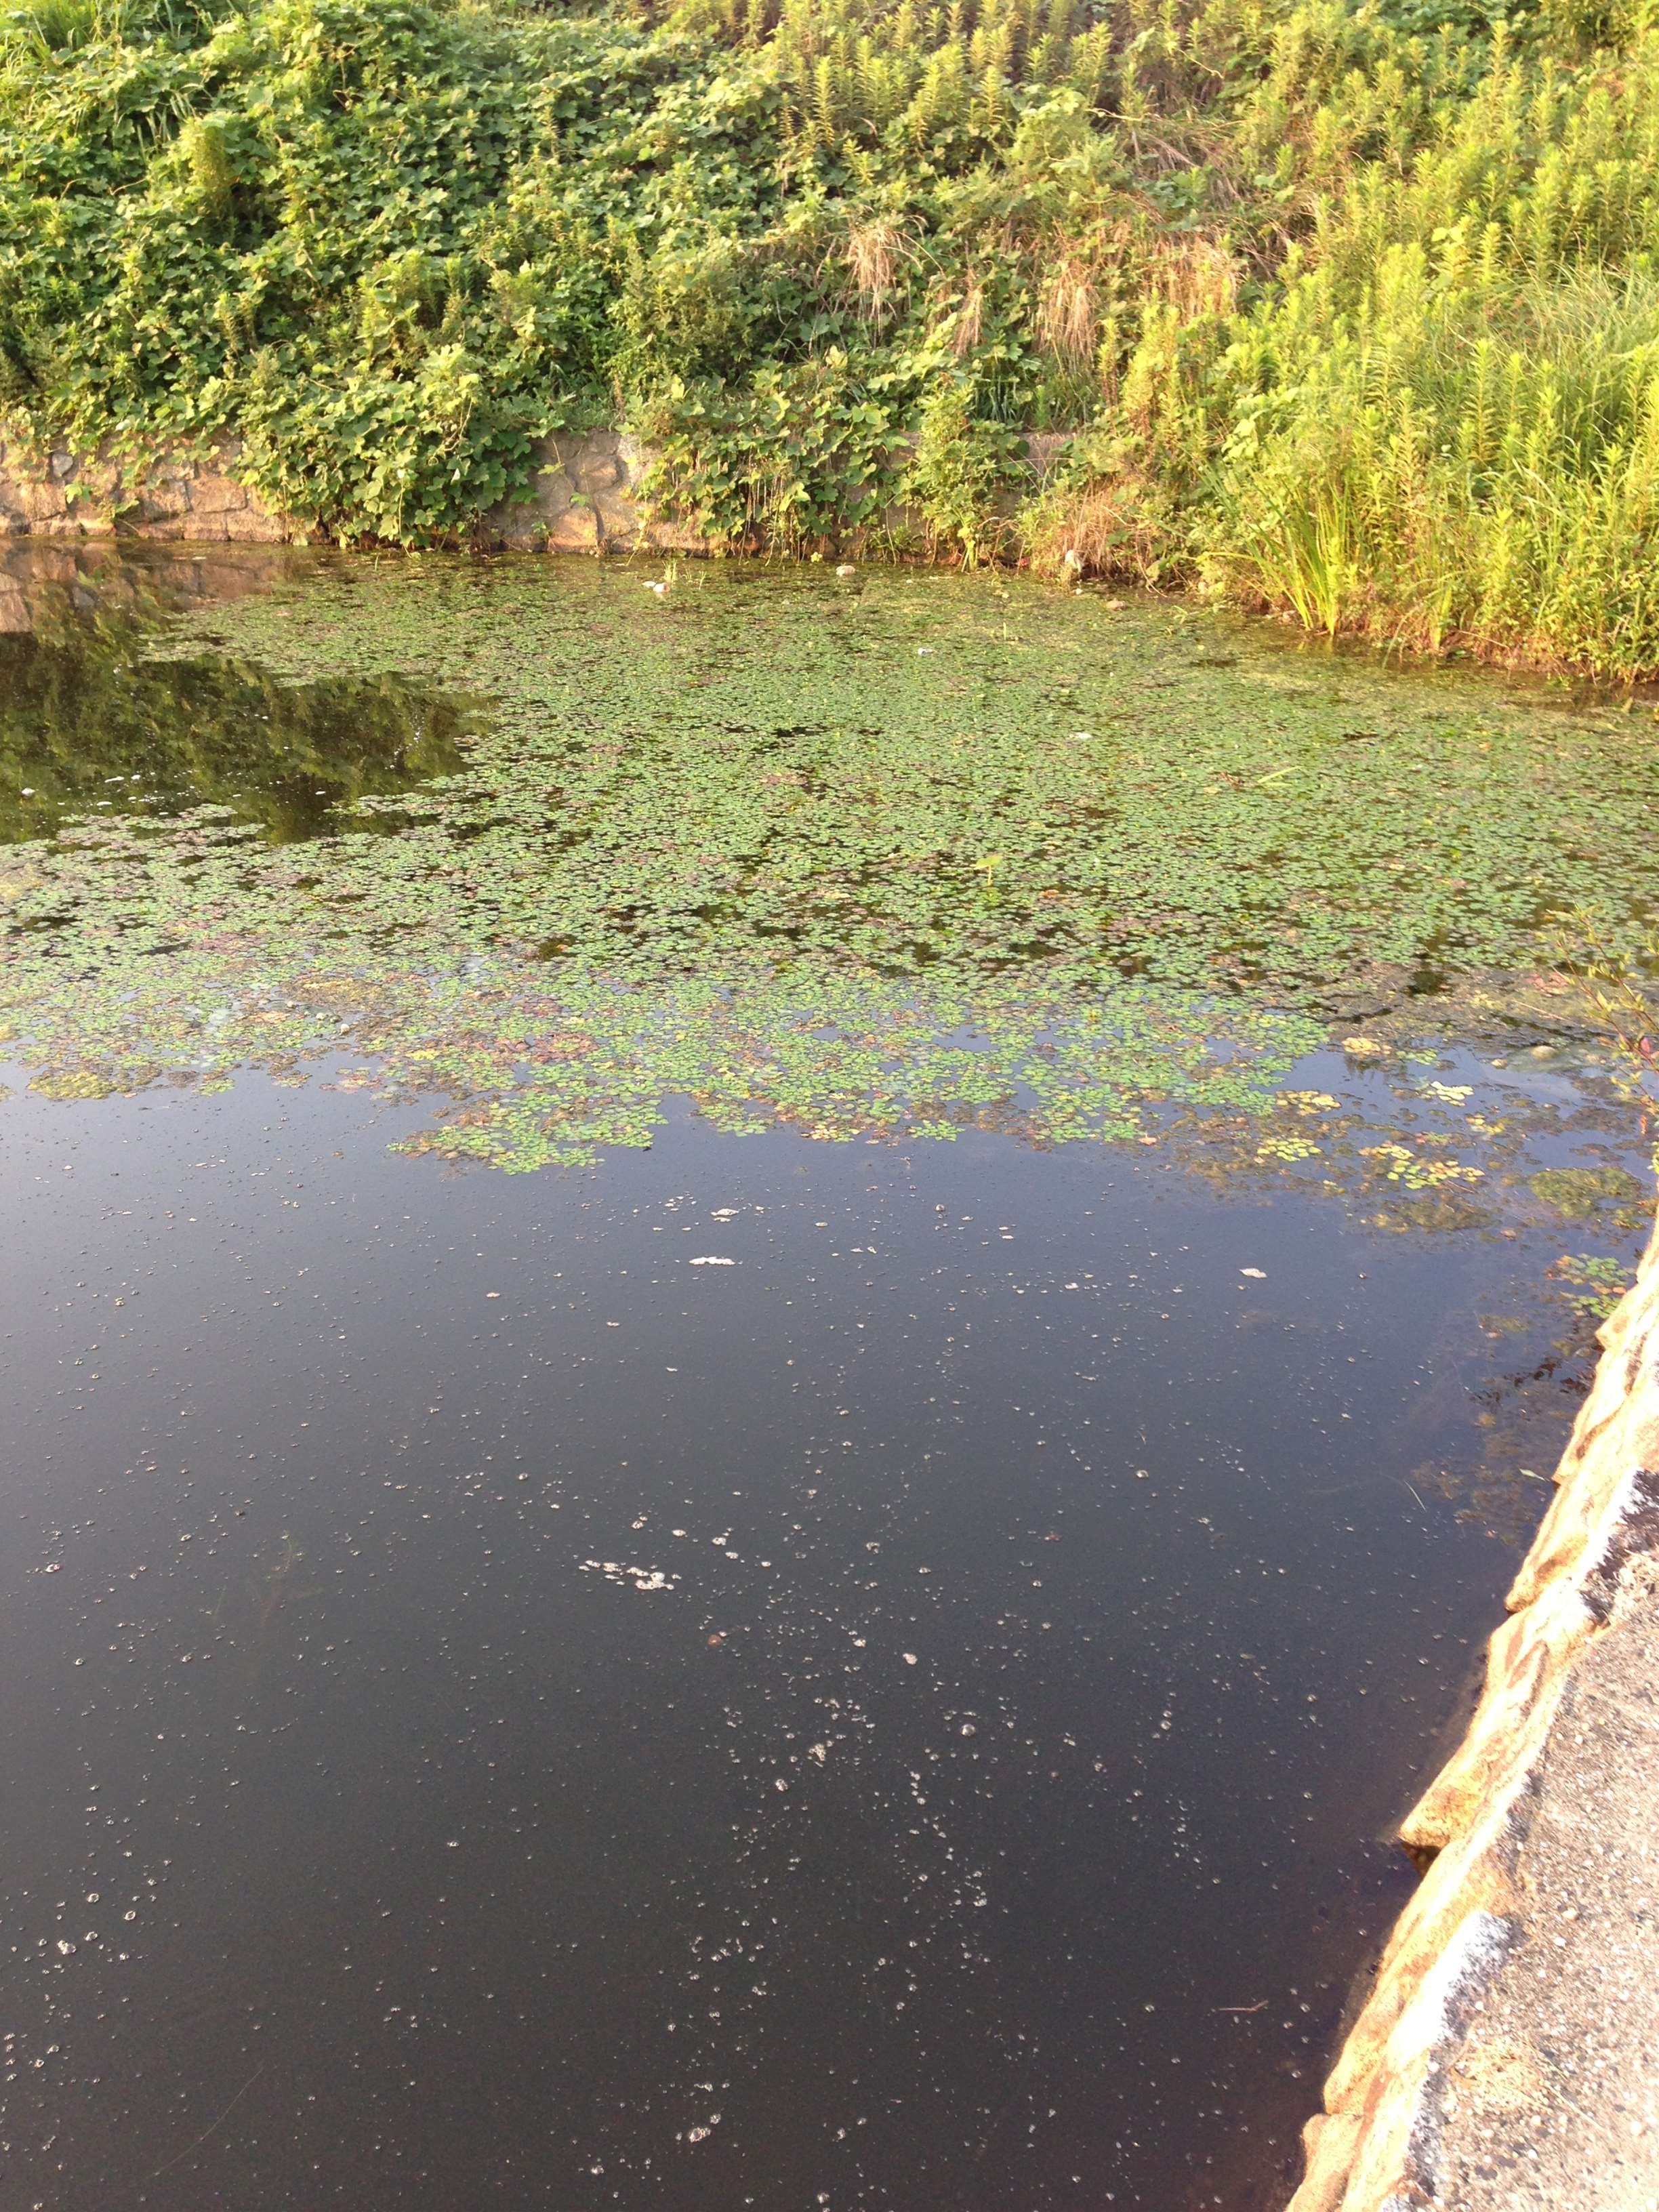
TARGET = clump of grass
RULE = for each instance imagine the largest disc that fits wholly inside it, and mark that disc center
(1120, 524)
(1439, 423)
(875, 256)
(1068, 311)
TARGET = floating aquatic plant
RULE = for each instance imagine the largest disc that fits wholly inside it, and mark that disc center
(1065, 872)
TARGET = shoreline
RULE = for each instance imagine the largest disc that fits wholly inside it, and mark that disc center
(1504, 2056)
(584, 498)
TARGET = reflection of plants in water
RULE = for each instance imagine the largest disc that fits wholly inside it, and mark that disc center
(89, 726)
(267, 1592)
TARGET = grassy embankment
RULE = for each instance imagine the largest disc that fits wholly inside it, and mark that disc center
(1352, 312)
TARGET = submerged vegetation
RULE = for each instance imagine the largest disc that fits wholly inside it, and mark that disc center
(1348, 311)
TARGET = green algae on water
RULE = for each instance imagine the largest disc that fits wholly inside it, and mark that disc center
(898, 855)
(920, 771)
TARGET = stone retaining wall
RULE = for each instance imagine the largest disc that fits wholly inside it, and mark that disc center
(584, 499)
(1507, 2055)
(59, 494)
(584, 502)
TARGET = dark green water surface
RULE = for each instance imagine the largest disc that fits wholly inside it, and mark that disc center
(771, 1350)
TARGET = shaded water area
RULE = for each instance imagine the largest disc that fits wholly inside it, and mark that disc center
(772, 1350)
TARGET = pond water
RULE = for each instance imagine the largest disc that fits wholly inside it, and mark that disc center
(773, 1349)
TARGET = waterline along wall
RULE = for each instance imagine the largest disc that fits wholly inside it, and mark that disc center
(582, 499)
(1508, 2052)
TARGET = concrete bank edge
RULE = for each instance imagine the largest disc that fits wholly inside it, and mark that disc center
(1389, 2099)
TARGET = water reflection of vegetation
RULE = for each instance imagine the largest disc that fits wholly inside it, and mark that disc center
(252, 1618)
(88, 724)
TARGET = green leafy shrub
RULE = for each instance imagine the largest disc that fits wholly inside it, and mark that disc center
(961, 463)
(800, 459)
(1349, 310)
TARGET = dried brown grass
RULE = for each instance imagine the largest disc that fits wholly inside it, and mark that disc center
(969, 321)
(1122, 526)
(1069, 309)
(1195, 275)
(876, 258)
